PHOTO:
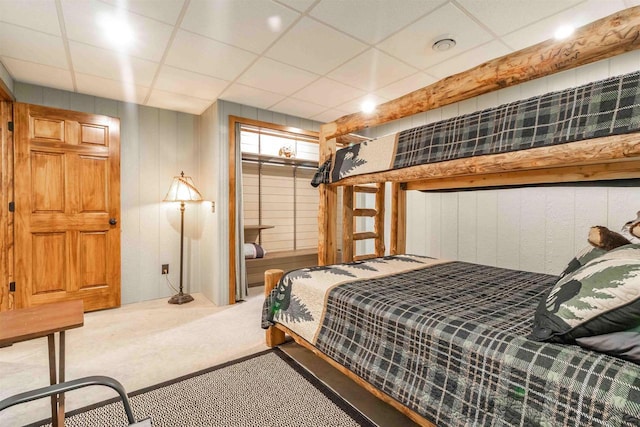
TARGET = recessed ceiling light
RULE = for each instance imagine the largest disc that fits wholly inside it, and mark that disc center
(116, 30)
(443, 43)
(275, 23)
(368, 106)
(563, 32)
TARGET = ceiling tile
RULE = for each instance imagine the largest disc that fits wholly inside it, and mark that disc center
(111, 89)
(329, 116)
(276, 77)
(298, 108)
(371, 70)
(108, 64)
(468, 59)
(248, 24)
(166, 11)
(202, 55)
(177, 102)
(371, 20)
(196, 85)
(40, 15)
(406, 85)
(85, 22)
(314, 47)
(38, 74)
(504, 16)
(328, 92)
(577, 16)
(246, 95)
(33, 46)
(300, 5)
(414, 44)
(353, 106)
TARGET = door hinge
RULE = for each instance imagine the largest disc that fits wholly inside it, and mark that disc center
(10, 126)
(12, 286)
(12, 206)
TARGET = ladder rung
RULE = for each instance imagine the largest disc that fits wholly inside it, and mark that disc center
(365, 235)
(363, 257)
(364, 189)
(364, 212)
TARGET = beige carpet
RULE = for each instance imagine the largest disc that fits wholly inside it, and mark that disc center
(139, 344)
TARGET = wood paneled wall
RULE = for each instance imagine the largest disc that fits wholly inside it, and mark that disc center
(156, 144)
(214, 167)
(537, 229)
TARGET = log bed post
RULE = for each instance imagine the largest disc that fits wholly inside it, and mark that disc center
(347, 223)
(398, 219)
(273, 335)
(379, 220)
(328, 206)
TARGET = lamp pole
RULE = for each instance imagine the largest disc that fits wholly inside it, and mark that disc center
(181, 297)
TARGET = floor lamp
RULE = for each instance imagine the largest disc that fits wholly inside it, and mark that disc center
(182, 190)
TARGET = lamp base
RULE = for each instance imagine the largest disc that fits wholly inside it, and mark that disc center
(180, 298)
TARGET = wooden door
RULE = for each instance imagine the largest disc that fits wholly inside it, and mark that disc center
(67, 207)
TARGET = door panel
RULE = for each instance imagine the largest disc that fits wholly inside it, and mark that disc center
(48, 262)
(94, 195)
(67, 187)
(93, 259)
(47, 182)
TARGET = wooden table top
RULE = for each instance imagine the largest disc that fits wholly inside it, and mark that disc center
(34, 322)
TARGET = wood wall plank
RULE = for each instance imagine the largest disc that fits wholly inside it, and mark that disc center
(532, 217)
(559, 226)
(467, 226)
(129, 196)
(449, 226)
(150, 202)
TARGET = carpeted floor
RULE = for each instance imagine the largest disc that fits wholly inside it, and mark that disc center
(139, 345)
(267, 389)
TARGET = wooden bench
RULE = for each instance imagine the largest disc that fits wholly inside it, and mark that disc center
(283, 260)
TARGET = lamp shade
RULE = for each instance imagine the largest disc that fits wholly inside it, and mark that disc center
(182, 190)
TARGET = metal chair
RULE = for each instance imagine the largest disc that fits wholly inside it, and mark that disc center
(64, 387)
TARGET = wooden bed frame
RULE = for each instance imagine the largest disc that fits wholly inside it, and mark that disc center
(613, 157)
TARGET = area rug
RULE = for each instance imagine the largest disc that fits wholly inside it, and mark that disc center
(265, 389)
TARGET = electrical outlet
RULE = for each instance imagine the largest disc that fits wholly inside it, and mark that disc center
(165, 268)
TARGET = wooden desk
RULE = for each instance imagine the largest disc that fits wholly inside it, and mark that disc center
(37, 322)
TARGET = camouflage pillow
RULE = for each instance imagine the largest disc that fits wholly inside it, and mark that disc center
(601, 297)
(583, 257)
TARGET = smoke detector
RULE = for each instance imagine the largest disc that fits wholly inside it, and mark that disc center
(443, 43)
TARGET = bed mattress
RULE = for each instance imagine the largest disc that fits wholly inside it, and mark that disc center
(449, 341)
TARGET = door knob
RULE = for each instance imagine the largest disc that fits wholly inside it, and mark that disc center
(113, 221)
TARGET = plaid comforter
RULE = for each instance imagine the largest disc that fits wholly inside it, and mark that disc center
(449, 340)
(606, 107)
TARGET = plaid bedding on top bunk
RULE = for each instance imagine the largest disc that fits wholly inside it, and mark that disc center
(449, 341)
(605, 107)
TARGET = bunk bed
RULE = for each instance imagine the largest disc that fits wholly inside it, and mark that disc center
(450, 343)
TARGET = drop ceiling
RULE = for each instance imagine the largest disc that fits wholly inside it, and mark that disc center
(316, 59)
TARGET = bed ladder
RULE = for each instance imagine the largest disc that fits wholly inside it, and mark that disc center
(351, 213)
